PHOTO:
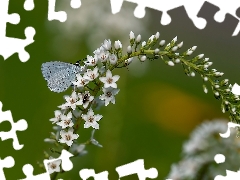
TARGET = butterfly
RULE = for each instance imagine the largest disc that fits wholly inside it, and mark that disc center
(60, 75)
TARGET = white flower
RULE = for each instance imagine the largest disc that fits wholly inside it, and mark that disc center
(66, 121)
(86, 98)
(101, 54)
(91, 119)
(113, 59)
(144, 43)
(109, 80)
(72, 101)
(108, 95)
(91, 61)
(68, 136)
(81, 82)
(118, 44)
(91, 74)
(54, 166)
(107, 44)
(57, 113)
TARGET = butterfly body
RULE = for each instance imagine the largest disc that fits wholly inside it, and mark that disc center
(59, 75)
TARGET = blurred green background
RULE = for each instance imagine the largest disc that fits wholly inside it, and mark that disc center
(157, 107)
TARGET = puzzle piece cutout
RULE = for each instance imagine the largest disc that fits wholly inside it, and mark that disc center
(87, 173)
(20, 125)
(230, 175)
(66, 164)
(227, 134)
(7, 162)
(137, 167)
(236, 89)
(60, 15)
(192, 8)
(28, 5)
(220, 158)
(9, 45)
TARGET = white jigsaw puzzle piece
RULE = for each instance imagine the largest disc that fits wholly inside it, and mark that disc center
(66, 164)
(236, 89)
(231, 175)
(192, 8)
(227, 134)
(60, 15)
(7, 162)
(20, 125)
(9, 45)
(220, 158)
(137, 167)
(28, 171)
(87, 173)
(28, 5)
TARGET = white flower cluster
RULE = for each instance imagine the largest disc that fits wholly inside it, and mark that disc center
(95, 78)
(199, 151)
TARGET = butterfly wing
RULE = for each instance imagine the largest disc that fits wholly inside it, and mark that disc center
(59, 75)
(50, 68)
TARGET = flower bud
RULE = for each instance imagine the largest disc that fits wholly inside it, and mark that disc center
(128, 61)
(138, 38)
(143, 43)
(143, 58)
(180, 45)
(192, 74)
(194, 48)
(106, 44)
(156, 51)
(205, 78)
(174, 48)
(157, 35)
(175, 39)
(162, 42)
(189, 52)
(205, 89)
(177, 60)
(200, 56)
(112, 59)
(170, 63)
(129, 49)
(118, 45)
(131, 36)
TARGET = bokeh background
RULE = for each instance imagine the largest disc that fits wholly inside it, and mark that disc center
(157, 107)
